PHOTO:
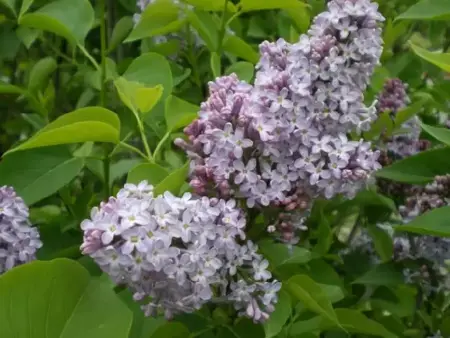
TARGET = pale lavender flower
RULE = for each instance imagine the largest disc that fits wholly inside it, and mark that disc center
(178, 253)
(19, 241)
(283, 141)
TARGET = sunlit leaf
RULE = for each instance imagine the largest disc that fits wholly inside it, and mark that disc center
(82, 125)
(73, 24)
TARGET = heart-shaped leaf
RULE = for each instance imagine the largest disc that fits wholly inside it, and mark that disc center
(73, 24)
(58, 299)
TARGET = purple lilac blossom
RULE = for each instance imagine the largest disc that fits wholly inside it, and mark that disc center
(284, 141)
(436, 250)
(180, 253)
(392, 99)
(18, 240)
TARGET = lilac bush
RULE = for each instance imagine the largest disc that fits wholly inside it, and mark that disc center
(19, 241)
(271, 214)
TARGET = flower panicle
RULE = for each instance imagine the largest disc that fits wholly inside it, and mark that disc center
(284, 141)
(19, 241)
(179, 253)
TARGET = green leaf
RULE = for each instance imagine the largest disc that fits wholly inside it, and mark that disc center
(379, 78)
(122, 167)
(418, 169)
(26, 4)
(121, 30)
(82, 125)
(440, 134)
(58, 299)
(280, 316)
(40, 73)
(27, 35)
(323, 273)
(244, 70)
(325, 236)
(300, 16)
(409, 112)
(442, 60)
(433, 223)
(213, 6)
(383, 274)
(143, 327)
(257, 5)
(172, 330)
(6, 88)
(179, 73)
(73, 24)
(312, 296)
(356, 322)
(10, 4)
(382, 126)
(159, 18)
(401, 304)
(179, 113)
(236, 46)
(39, 173)
(382, 242)
(151, 172)
(137, 96)
(306, 328)
(279, 254)
(206, 27)
(152, 69)
(427, 10)
(173, 182)
(215, 64)
(333, 292)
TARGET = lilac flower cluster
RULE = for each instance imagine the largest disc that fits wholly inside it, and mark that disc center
(424, 198)
(177, 254)
(436, 250)
(18, 240)
(284, 141)
(392, 99)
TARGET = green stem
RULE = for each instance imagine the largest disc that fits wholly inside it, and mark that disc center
(65, 197)
(117, 147)
(107, 174)
(89, 56)
(134, 149)
(234, 16)
(103, 52)
(159, 146)
(144, 139)
(199, 333)
(191, 57)
(57, 51)
(222, 27)
(232, 331)
(103, 37)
